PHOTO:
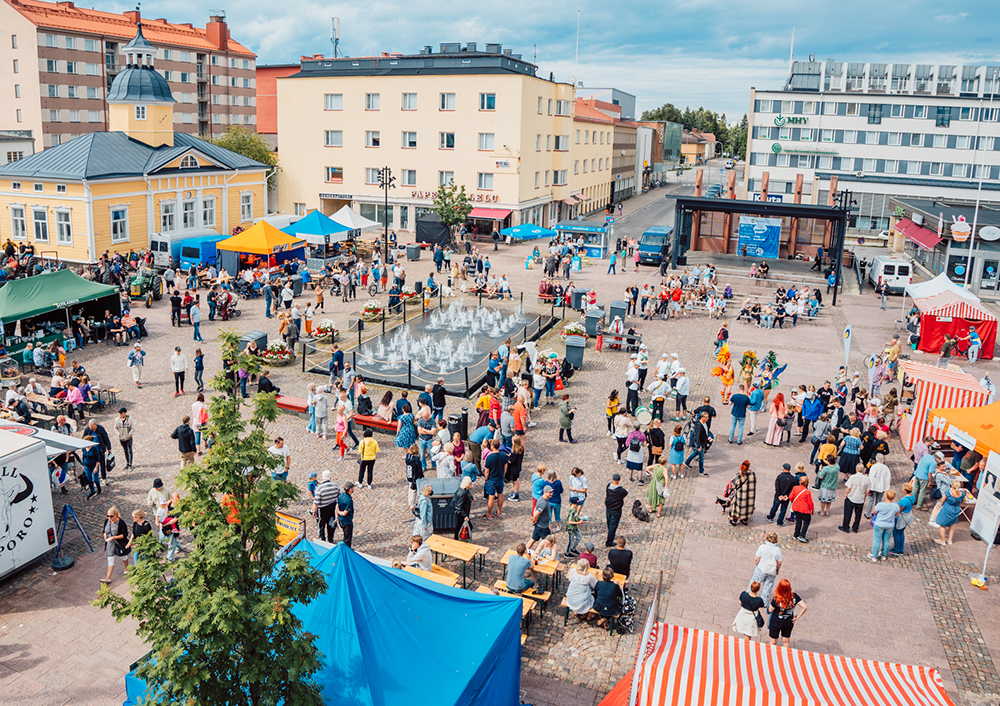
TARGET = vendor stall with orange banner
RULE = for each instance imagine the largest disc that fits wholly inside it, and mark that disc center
(934, 388)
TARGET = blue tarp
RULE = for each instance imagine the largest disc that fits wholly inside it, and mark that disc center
(527, 231)
(388, 637)
(315, 226)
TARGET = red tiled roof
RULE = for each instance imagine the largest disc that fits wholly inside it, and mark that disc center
(587, 112)
(65, 16)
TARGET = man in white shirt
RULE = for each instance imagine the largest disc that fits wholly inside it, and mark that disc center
(178, 366)
(659, 390)
(879, 480)
(281, 450)
(643, 363)
(683, 388)
(632, 399)
(663, 367)
(857, 489)
(675, 365)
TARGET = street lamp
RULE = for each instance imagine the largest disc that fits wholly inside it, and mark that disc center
(387, 181)
(845, 203)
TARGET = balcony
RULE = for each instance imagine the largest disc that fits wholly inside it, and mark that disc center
(202, 97)
(202, 73)
(944, 88)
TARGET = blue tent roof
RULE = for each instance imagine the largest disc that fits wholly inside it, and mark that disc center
(373, 624)
(527, 231)
(317, 224)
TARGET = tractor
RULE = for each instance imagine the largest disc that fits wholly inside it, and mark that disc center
(147, 284)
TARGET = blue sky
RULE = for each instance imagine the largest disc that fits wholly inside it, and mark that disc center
(687, 52)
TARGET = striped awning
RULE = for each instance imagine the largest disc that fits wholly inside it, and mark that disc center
(951, 304)
(941, 376)
(687, 667)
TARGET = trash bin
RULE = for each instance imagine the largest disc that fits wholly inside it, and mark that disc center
(578, 295)
(617, 308)
(593, 316)
(574, 350)
(443, 491)
(455, 425)
(296, 285)
(413, 251)
(418, 287)
(259, 337)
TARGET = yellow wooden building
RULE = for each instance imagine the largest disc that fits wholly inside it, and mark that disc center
(111, 191)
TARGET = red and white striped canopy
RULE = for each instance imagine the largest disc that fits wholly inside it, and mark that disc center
(688, 667)
(951, 304)
(934, 388)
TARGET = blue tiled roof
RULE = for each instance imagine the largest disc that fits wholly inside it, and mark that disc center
(140, 85)
(102, 155)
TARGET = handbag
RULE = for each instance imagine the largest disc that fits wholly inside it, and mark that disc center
(781, 422)
(466, 530)
(759, 618)
(109, 461)
(816, 482)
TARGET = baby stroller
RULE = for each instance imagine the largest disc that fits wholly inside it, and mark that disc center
(246, 290)
(141, 323)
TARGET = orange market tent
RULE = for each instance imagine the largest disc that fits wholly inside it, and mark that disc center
(977, 427)
(686, 667)
(933, 388)
(259, 239)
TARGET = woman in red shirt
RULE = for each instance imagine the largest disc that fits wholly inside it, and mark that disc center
(802, 506)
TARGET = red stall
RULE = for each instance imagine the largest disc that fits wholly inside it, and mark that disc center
(951, 313)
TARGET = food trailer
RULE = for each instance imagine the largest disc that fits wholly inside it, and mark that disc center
(596, 236)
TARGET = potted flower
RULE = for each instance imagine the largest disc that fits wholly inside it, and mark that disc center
(408, 293)
(277, 353)
(373, 311)
(324, 331)
(576, 329)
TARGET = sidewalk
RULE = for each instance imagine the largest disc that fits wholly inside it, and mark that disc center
(637, 203)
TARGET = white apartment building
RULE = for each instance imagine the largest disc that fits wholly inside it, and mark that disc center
(884, 130)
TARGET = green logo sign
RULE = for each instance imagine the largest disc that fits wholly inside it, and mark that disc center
(898, 212)
(776, 148)
(781, 121)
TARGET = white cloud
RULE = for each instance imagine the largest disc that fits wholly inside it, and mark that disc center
(957, 17)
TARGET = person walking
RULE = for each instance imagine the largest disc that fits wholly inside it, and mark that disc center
(345, 512)
(746, 619)
(614, 503)
(123, 427)
(699, 441)
(744, 495)
(186, 444)
(566, 414)
(756, 402)
(879, 480)
(321, 407)
(89, 458)
(903, 520)
(115, 541)
(883, 524)
(324, 507)
(100, 435)
(767, 565)
(802, 506)
(136, 358)
(195, 314)
(740, 404)
(178, 365)
(776, 428)
(947, 348)
(783, 486)
(199, 369)
(782, 613)
(367, 451)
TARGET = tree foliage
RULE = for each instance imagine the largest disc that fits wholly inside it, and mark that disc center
(452, 204)
(251, 145)
(219, 620)
(702, 120)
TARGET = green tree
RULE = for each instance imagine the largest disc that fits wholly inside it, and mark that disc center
(452, 204)
(251, 145)
(666, 112)
(738, 139)
(221, 629)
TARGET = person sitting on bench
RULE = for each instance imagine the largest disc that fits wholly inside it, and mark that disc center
(517, 566)
(419, 555)
(265, 385)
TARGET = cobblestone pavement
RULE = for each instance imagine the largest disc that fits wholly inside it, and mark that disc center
(57, 649)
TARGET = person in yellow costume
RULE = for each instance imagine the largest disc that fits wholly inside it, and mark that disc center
(724, 371)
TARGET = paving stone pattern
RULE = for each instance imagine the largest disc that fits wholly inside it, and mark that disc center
(57, 649)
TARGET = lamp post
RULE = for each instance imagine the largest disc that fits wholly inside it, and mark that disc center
(845, 203)
(991, 79)
(387, 181)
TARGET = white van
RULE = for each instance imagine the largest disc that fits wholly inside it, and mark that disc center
(894, 271)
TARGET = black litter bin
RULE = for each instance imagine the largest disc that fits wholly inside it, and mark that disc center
(618, 308)
(593, 316)
(296, 285)
(413, 251)
(444, 490)
(455, 425)
(578, 295)
(574, 350)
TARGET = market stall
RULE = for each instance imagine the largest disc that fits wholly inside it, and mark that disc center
(951, 313)
(933, 388)
(318, 229)
(596, 236)
(972, 427)
(527, 231)
(347, 216)
(46, 304)
(259, 244)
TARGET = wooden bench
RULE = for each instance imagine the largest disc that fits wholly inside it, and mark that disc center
(375, 422)
(541, 597)
(444, 573)
(611, 619)
(292, 404)
(37, 418)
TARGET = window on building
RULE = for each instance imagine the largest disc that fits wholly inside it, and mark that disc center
(167, 214)
(825, 163)
(602, 137)
(868, 165)
(447, 101)
(937, 169)
(912, 167)
(409, 101)
(586, 137)
(826, 135)
(17, 90)
(189, 162)
(963, 142)
(371, 101)
(18, 225)
(119, 224)
(538, 179)
(939, 141)
(593, 165)
(166, 55)
(980, 171)
(186, 77)
(246, 83)
(890, 166)
(970, 85)
(919, 111)
(51, 66)
(188, 215)
(50, 40)
(38, 187)
(208, 212)
(783, 160)
(486, 140)
(559, 177)
(808, 107)
(53, 90)
(447, 140)
(299, 209)
(246, 207)
(13, 41)
(895, 138)
(548, 143)
(484, 181)
(546, 177)
(15, 186)
(371, 175)
(333, 138)
(487, 101)
(577, 137)
(563, 107)
(896, 110)
(74, 116)
(853, 108)
(806, 135)
(15, 66)
(372, 138)
(829, 108)
(335, 174)
(333, 101)
(966, 113)
(538, 143)
(71, 67)
(93, 116)
(871, 137)
(576, 166)
(445, 178)
(140, 112)
(233, 82)
(409, 140)
(562, 143)
(584, 166)
(874, 113)
(916, 139)
(943, 116)
(850, 136)
(409, 177)
(40, 220)
(92, 92)
(15, 156)
(959, 170)
(168, 75)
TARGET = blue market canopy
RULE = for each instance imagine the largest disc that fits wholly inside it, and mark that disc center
(389, 637)
(527, 231)
(315, 227)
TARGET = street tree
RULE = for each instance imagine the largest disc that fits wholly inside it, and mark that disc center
(738, 138)
(218, 621)
(666, 112)
(251, 145)
(452, 204)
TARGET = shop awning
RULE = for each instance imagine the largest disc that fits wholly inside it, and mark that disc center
(581, 198)
(571, 201)
(489, 214)
(922, 237)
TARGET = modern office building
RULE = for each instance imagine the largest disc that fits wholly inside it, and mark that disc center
(478, 117)
(883, 130)
(625, 101)
(666, 147)
(111, 190)
(57, 62)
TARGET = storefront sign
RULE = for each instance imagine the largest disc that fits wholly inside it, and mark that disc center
(781, 121)
(990, 233)
(475, 198)
(345, 197)
(289, 528)
(776, 148)
(773, 198)
(503, 164)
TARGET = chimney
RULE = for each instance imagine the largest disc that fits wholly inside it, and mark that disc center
(132, 16)
(217, 32)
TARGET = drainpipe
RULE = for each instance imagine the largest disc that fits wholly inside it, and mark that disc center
(225, 200)
(91, 243)
(267, 190)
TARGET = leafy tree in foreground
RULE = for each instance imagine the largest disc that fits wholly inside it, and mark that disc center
(452, 204)
(252, 146)
(221, 628)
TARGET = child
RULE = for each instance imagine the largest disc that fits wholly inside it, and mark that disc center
(573, 522)
(308, 318)
(689, 304)
(199, 369)
(578, 487)
(599, 343)
(555, 502)
(340, 426)
(312, 484)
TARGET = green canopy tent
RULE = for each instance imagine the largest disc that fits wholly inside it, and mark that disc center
(29, 297)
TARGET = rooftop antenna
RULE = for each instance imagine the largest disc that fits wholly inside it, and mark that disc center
(576, 61)
(335, 36)
(534, 54)
(791, 51)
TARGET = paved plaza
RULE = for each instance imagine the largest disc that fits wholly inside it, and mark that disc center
(55, 648)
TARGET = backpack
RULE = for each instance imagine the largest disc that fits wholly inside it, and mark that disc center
(679, 443)
(635, 445)
(640, 512)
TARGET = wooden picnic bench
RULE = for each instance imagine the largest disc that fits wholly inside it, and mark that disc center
(534, 593)
(436, 576)
(375, 422)
(611, 619)
(463, 551)
(45, 420)
(546, 568)
(292, 404)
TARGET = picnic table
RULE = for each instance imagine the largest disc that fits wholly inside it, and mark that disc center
(546, 568)
(436, 578)
(463, 551)
(620, 579)
(527, 605)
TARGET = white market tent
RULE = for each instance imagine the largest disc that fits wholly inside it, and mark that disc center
(938, 285)
(347, 216)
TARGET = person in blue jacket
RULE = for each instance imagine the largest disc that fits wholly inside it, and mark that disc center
(812, 407)
(756, 402)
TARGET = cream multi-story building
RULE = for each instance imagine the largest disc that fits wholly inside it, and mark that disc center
(57, 62)
(478, 118)
(593, 150)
